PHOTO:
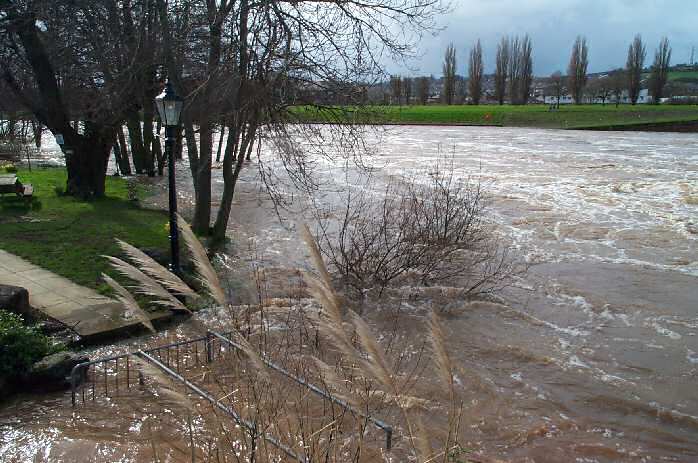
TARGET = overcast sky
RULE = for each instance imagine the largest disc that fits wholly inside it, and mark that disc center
(609, 26)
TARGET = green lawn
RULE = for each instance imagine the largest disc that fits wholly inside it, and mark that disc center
(69, 236)
(685, 76)
(567, 117)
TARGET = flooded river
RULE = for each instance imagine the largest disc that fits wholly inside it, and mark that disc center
(592, 356)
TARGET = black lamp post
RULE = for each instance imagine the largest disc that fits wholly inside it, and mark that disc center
(170, 107)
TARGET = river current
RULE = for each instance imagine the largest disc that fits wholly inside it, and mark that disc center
(591, 356)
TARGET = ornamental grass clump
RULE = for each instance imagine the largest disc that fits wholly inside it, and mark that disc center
(318, 339)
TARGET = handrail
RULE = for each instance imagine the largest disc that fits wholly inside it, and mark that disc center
(378, 423)
(75, 373)
(238, 419)
(78, 370)
(83, 367)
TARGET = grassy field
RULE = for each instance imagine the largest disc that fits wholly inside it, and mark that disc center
(676, 75)
(68, 236)
(567, 117)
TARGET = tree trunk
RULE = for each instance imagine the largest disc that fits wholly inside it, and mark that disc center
(200, 167)
(149, 156)
(125, 164)
(192, 150)
(117, 156)
(120, 155)
(202, 208)
(236, 145)
(220, 143)
(230, 176)
(250, 144)
(135, 135)
(37, 130)
(86, 160)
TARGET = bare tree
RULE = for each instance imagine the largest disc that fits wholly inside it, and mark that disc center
(461, 90)
(245, 63)
(476, 70)
(423, 89)
(660, 70)
(633, 67)
(501, 69)
(249, 63)
(577, 69)
(334, 46)
(556, 86)
(600, 88)
(449, 75)
(68, 62)
(396, 89)
(605, 89)
(526, 69)
(617, 82)
(513, 71)
(520, 70)
(407, 84)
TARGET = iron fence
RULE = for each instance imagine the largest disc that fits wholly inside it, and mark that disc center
(109, 376)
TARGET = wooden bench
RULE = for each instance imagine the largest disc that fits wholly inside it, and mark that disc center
(8, 184)
(11, 184)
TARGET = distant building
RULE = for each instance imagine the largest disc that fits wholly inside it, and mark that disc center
(565, 98)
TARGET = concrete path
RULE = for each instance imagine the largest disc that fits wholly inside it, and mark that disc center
(83, 309)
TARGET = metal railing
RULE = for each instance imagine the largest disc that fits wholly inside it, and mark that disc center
(217, 403)
(89, 379)
(387, 429)
(105, 376)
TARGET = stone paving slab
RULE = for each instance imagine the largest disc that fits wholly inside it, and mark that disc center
(86, 311)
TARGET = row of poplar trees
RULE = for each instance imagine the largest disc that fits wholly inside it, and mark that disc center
(513, 74)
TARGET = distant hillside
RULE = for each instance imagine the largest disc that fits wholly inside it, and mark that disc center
(684, 76)
(682, 73)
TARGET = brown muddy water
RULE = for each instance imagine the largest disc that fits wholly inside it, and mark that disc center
(591, 357)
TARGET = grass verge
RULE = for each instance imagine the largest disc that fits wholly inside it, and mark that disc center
(567, 117)
(69, 236)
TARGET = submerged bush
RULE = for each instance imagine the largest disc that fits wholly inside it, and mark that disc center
(428, 229)
(20, 345)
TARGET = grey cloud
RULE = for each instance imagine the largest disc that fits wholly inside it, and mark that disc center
(609, 26)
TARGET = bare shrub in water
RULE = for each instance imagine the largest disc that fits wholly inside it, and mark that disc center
(351, 364)
(432, 228)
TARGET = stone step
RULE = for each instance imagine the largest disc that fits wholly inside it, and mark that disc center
(87, 312)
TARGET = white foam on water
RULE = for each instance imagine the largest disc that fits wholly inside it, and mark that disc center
(691, 356)
(608, 315)
(665, 331)
(576, 362)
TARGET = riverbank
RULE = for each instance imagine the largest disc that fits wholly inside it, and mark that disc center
(67, 236)
(536, 116)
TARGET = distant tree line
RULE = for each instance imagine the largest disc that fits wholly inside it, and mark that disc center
(616, 83)
(513, 79)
